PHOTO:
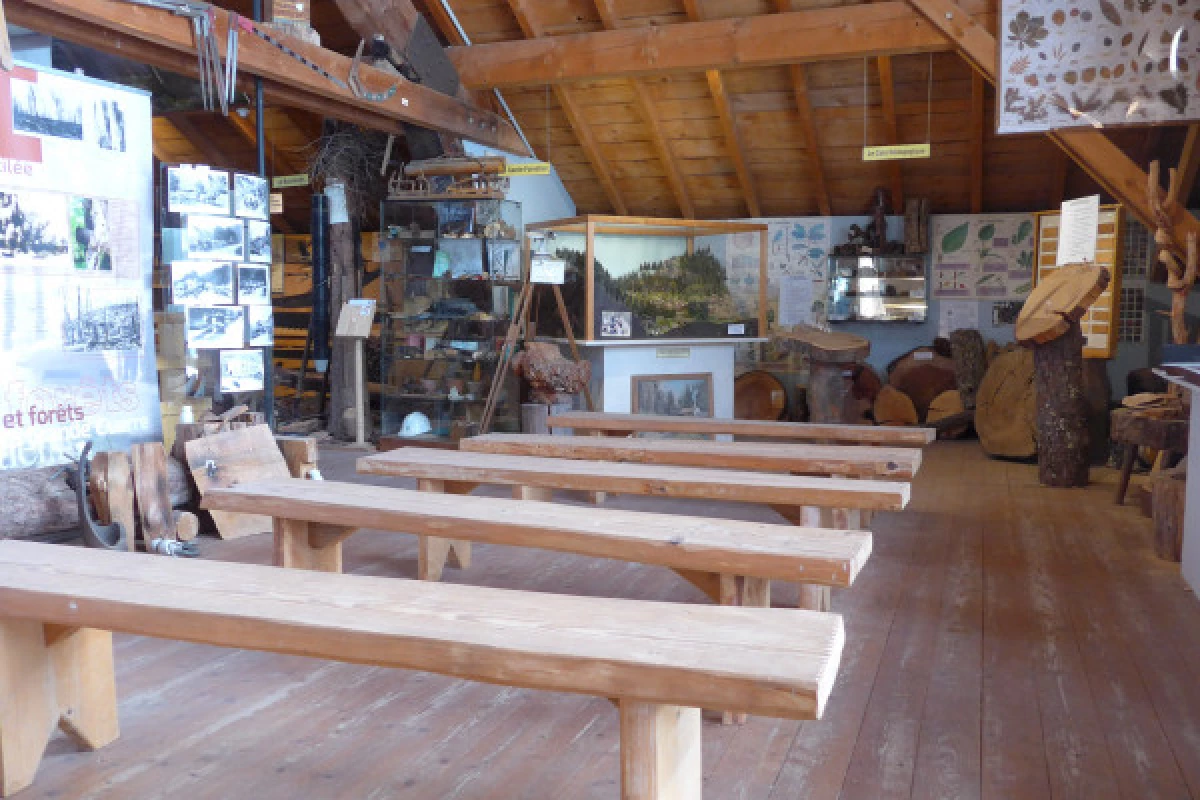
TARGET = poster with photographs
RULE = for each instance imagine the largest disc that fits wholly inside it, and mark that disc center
(260, 326)
(33, 232)
(76, 267)
(214, 238)
(251, 196)
(197, 190)
(616, 323)
(504, 260)
(45, 108)
(258, 241)
(102, 320)
(254, 285)
(215, 327)
(201, 283)
(241, 371)
(108, 122)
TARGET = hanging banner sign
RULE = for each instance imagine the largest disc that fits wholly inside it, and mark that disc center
(895, 152)
(528, 168)
(289, 181)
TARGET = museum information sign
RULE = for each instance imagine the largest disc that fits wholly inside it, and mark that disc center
(76, 256)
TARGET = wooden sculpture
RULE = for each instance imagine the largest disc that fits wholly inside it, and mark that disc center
(1049, 323)
(1179, 259)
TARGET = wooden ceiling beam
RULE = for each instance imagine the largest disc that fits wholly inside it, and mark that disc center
(1094, 152)
(579, 124)
(887, 93)
(977, 126)
(808, 125)
(1189, 162)
(150, 29)
(200, 141)
(733, 142)
(846, 32)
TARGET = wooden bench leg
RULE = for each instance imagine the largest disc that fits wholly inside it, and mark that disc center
(1126, 470)
(740, 590)
(432, 555)
(599, 498)
(537, 493)
(309, 545)
(51, 675)
(811, 596)
(660, 752)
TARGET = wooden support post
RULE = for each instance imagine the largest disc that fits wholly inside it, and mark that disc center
(434, 552)
(68, 683)
(811, 596)
(742, 590)
(660, 752)
(537, 493)
(308, 545)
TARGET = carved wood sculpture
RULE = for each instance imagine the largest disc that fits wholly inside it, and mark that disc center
(1049, 323)
(1179, 259)
(553, 378)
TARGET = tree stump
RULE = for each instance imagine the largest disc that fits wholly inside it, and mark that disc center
(1006, 408)
(832, 360)
(1168, 492)
(1049, 323)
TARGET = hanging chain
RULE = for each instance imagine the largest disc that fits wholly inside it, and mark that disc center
(864, 103)
(929, 105)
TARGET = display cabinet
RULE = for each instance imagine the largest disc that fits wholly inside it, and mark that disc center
(451, 271)
(877, 288)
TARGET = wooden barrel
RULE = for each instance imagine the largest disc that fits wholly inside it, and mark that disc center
(759, 395)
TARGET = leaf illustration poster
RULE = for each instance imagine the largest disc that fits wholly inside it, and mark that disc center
(1072, 63)
(982, 256)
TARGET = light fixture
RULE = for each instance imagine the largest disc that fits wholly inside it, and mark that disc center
(243, 112)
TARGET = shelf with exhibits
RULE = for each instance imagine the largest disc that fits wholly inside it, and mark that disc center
(878, 288)
(643, 278)
(451, 273)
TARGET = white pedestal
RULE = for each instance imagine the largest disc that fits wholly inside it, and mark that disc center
(1188, 376)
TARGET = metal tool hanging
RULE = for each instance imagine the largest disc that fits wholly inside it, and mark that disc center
(361, 91)
(216, 80)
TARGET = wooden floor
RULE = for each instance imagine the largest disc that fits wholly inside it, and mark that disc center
(1006, 641)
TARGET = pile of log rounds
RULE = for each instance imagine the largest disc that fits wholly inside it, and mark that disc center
(923, 389)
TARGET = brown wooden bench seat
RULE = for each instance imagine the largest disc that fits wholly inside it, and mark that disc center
(798, 459)
(660, 662)
(312, 518)
(815, 433)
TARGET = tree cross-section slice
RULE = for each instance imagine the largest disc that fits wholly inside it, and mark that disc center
(1059, 299)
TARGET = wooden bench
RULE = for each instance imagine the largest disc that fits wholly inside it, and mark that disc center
(798, 498)
(600, 422)
(660, 662)
(732, 561)
(797, 459)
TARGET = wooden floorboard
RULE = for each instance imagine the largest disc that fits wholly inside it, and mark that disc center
(1005, 641)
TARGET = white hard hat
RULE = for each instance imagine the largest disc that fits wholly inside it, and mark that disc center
(415, 424)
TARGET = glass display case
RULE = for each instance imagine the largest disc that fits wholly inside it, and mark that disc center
(642, 278)
(451, 271)
(877, 288)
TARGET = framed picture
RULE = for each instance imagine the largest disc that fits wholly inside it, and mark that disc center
(217, 238)
(241, 371)
(201, 283)
(197, 190)
(673, 395)
(258, 241)
(260, 326)
(251, 196)
(254, 285)
(215, 327)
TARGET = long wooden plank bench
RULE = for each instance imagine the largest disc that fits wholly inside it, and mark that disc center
(732, 561)
(799, 499)
(798, 459)
(660, 662)
(600, 422)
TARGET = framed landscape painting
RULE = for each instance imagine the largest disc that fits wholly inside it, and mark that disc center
(673, 395)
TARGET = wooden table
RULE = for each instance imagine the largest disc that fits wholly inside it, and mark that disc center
(1135, 429)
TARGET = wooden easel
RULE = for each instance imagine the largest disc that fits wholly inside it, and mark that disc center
(517, 333)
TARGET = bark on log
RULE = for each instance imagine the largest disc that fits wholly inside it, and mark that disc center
(894, 407)
(1062, 431)
(345, 283)
(1168, 492)
(34, 502)
(970, 363)
(1006, 408)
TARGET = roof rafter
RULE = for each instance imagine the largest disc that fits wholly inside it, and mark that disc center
(280, 162)
(575, 118)
(808, 125)
(202, 143)
(1094, 152)
(1189, 162)
(887, 94)
(847, 32)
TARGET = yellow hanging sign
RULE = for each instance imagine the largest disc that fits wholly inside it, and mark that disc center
(289, 181)
(895, 152)
(527, 168)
